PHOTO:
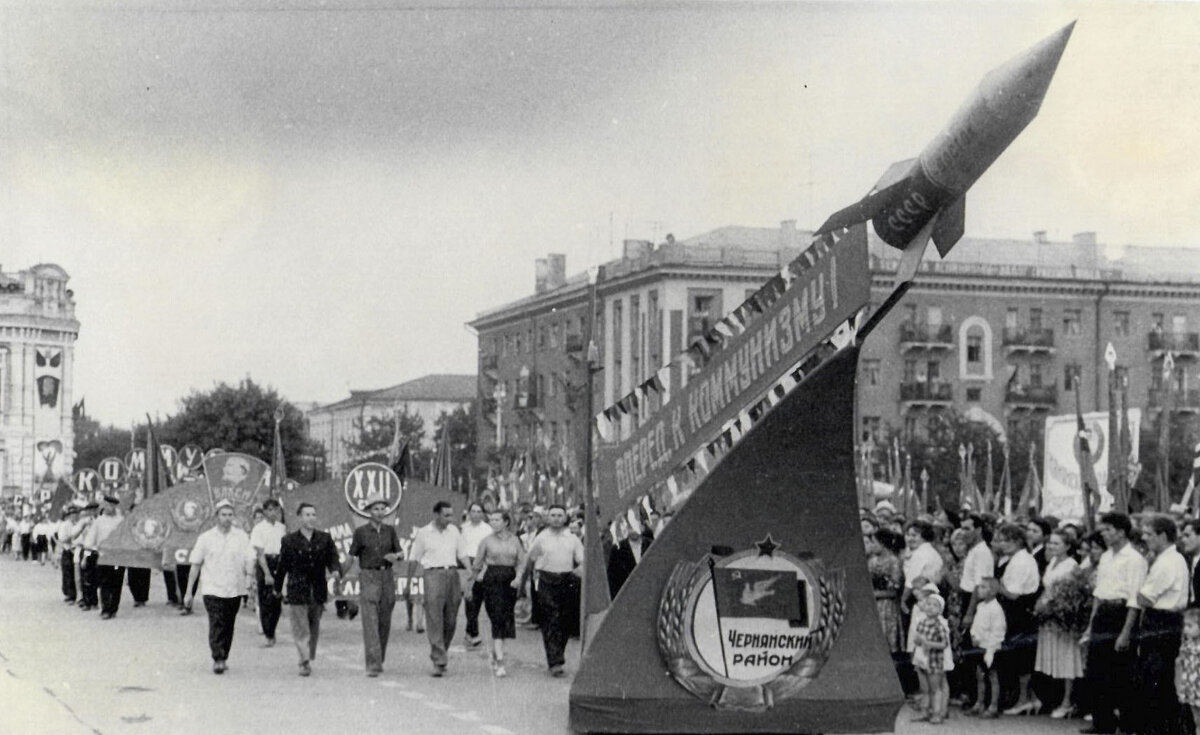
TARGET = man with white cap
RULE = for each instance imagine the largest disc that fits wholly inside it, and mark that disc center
(223, 559)
(377, 547)
(110, 578)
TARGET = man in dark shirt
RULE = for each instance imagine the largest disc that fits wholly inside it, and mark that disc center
(377, 547)
(304, 555)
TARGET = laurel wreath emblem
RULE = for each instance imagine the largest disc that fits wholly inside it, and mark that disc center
(672, 631)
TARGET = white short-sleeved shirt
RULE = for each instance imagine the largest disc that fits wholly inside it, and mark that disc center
(923, 562)
(227, 558)
(979, 565)
(1021, 575)
(433, 548)
(268, 536)
(1119, 576)
(472, 535)
(1166, 584)
(556, 551)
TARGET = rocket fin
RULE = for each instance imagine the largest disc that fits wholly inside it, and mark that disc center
(869, 206)
(895, 173)
(951, 223)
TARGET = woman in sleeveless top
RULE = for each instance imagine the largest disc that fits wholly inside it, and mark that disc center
(497, 558)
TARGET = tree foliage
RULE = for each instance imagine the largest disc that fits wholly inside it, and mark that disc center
(373, 440)
(239, 418)
(94, 443)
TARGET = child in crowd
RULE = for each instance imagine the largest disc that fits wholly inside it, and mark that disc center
(1187, 666)
(987, 633)
(921, 589)
(933, 642)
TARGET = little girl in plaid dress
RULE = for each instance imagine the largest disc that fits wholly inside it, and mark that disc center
(929, 657)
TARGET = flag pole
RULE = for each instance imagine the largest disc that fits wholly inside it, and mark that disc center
(595, 597)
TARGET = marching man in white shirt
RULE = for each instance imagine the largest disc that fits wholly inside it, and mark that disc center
(266, 538)
(222, 559)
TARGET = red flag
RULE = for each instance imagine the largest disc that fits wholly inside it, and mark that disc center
(156, 478)
(1088, 484)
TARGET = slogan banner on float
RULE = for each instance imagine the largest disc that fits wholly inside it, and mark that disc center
(1061, 496)
(828, 284)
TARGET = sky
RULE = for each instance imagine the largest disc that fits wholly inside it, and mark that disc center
(320, 197)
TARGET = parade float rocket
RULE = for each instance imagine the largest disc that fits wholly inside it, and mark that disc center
(932, 187)
(753, 610)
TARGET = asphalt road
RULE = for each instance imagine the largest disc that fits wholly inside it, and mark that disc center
(148, 672)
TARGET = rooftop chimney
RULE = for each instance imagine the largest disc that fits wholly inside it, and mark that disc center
(1039, 237)
(638, 249)
(541, 275)
(1084, 238)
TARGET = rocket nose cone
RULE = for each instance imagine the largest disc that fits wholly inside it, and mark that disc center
(1028, 75)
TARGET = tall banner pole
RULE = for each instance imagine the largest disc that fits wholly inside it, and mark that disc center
(595, 598)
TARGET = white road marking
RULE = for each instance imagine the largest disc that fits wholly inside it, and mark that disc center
(410, 695)
(440, 706)
(496, 730)
(466, 716)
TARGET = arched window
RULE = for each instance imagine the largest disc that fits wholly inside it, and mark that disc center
(975, 349)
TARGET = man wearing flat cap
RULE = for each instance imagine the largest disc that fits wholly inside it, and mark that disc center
(222, 559)
(109, 578)
(376, 545)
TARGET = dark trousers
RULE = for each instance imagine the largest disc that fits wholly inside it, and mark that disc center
(26, 546)
(111, 579)
(172, 585)
(472, 607)
(376, 599)
(182, 572)
(67, 564)
(1158, 645)
(443, 593)
(89, 578)
(139, 584)
(1109, 671)
(555, 595)
(270, 605)
(222, 614)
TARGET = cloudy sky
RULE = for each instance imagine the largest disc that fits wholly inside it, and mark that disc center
(320, 198)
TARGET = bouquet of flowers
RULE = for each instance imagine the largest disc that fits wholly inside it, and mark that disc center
(1067, 603)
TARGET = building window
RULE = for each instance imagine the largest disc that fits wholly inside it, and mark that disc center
(1179, 324)
(529, 340)
(654, 331)
(1035, 375)
(871, 372)
(543, 337)
(554, 330)
(1035, 319)
(974, 394)
(1122, 375)
(910, 426)
(933, 371)
(1010, 318)
(1071, 371)
(1072, 321)
(1121, 323)
(635, 342)
(1157, 320)
(517, 343)
(704, 308)
(618, 316)
(910, 371)
(933, 316)
(974, 349)
(870, 428)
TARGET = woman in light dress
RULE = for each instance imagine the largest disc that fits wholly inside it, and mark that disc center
(1058, 654)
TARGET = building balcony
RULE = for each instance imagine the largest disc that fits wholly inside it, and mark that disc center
(1184, 401)
(526, 400)
(1028, 340)
(1021, 397)
(489, 364)
(1179, 344)
(916, 395)
(573, 343)
(926, 336)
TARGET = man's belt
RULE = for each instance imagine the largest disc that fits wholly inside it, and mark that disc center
(375, 569)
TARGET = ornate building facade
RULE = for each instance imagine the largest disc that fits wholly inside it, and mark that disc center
(38, 330)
